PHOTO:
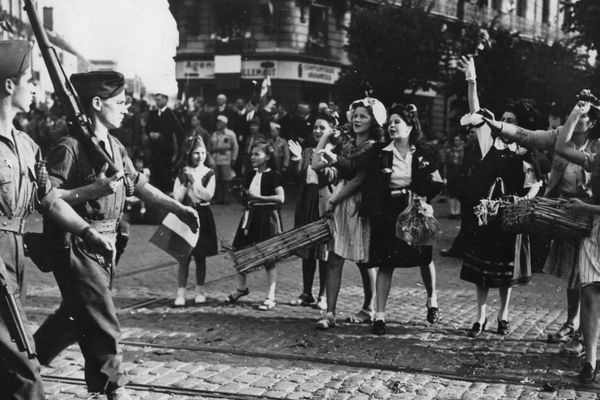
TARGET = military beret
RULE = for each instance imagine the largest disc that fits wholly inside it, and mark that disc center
(15, 56)
(104, 84)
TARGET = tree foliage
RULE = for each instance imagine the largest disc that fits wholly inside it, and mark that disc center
(394, 49)
(582, 17)
(515, 68)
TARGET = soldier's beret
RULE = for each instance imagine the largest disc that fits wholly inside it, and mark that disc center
(104, 84)
(15, 56)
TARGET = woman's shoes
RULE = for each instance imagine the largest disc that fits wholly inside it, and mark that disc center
(574, 346)
(562, 335)
(267, 305)
(179, 301)
(379, 327)
(433, 314)
(200, 298)
(235, 296)
(503, 328)
(477, 328)
(303, 300)
(588, 373)
(361, 317)
(322, 303)
(328, 321)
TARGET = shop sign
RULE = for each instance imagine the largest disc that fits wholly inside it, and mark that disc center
(258, 69)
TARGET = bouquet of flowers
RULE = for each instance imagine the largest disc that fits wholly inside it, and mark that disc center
(416, 225)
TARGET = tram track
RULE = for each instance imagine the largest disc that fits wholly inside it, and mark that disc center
(173, 390)
(366, 365)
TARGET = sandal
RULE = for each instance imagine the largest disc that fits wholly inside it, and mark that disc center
(266, 305)
(562, 335)
(235, 296)
(361, 317)
(574, 347)
(303, 300)
(326, 322)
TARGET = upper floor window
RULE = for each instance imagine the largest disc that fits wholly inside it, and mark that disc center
(522, 8)
(232, 18)
(546, 11)
(317, 25)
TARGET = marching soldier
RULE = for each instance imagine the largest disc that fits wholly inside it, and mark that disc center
(22, 190)
(87, 314)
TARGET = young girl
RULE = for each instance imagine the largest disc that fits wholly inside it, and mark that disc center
(589, 251)
(262, 218)
(195, 186)
(314, 191)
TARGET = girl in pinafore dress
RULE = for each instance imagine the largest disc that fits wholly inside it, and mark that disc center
(315, 189)
(589, 251)
(262, 217)
(195, 186)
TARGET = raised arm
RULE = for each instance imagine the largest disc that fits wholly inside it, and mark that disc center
(467, 65)
(566, 133)
(538, 139)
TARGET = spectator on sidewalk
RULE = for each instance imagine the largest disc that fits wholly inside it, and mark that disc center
(311, 203)
(453, 176)
(255, 136)
(224, 147)
(163, 143)
(262, 217)
(281, 151)
(195, 186)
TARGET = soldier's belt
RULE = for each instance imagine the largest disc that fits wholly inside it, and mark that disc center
(105, 226)
(15, 225)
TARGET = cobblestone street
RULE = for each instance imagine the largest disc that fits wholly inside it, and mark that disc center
(219, 350)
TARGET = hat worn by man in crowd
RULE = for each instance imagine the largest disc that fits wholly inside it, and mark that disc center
(104, 84)
(16, 58)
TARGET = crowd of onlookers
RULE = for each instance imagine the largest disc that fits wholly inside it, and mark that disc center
(153, 134)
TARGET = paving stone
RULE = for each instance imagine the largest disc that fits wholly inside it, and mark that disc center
(169, 379)
(252, 391)
(265, 383)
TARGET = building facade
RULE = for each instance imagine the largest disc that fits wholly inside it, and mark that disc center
(16, 25)
(229, 46)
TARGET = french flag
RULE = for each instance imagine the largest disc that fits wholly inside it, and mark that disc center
(175, 237)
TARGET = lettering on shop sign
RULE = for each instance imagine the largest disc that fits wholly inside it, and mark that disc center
(252, 69)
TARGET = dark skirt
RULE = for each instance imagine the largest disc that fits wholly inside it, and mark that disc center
(490, 259)
(259, 222)
(387, 251)
(207, 240)
(307, 211)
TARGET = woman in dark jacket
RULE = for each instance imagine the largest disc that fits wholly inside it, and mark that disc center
(406, 174)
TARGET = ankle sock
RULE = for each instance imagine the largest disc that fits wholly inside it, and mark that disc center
(432, 301)
(380, 316)
(180, 292)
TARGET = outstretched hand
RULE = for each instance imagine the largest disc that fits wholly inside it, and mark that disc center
(295, 149)
(189, 216)
(576, 205)
(467, 65)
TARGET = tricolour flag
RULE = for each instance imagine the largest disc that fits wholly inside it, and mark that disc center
(175, 237)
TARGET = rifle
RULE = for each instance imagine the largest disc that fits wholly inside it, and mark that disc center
(79, 123)
(15, 327)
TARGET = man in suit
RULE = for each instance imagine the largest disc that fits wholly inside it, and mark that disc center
(163, 140)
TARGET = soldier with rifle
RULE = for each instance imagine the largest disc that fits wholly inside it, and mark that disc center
(23, 189)
(87, 314)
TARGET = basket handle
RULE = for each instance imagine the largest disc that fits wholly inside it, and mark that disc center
(493, 188)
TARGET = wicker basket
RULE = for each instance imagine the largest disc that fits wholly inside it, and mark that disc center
(280, 246)
(544, 217)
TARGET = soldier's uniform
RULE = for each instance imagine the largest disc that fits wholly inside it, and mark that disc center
(19, 376)
(87, 314)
